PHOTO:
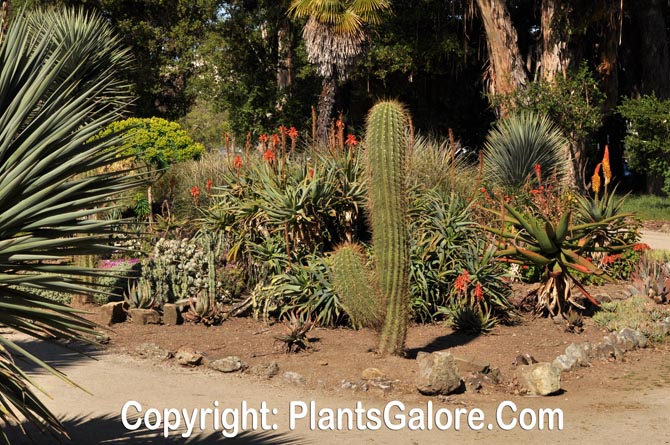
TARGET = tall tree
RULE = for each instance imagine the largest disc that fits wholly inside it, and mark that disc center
(335, 38)
(506, 71)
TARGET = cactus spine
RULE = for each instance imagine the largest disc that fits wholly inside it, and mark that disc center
(386, 142)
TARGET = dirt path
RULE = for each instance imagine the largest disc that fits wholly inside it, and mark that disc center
(656, 240)
(635, 411)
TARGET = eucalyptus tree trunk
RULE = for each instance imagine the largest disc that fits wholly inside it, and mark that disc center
(505, 71)
(555, 57)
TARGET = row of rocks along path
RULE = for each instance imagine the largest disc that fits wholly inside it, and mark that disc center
(635, 411)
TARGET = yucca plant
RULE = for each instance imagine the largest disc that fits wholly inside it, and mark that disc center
(59, 86)
(517, 144)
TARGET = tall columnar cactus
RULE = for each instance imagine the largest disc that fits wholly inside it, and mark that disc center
(386, 142)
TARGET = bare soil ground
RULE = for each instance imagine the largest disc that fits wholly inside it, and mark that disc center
(611, 401)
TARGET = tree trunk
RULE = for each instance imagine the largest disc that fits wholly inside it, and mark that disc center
(325, 108)
(505, 72)
(654, 55)
(285, 60)
(554, 57)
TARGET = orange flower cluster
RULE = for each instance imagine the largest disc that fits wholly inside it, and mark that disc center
(269, 155)
(641, 247)
(595, 179)
(479, 292)
(462, 281)
(351, 140)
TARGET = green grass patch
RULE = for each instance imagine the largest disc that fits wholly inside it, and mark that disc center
(648, 207)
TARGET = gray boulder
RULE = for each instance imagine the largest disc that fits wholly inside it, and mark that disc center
(438, 374)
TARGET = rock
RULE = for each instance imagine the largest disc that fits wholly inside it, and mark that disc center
(111, 313)
(153, 351)
(466, 366)
(188, 357)
(541, 379)
(577, 353)
(144, 316)
(474, 382)
(295, 378)
(171, 314)
(610, 350)
(638, 339)
(565, 363)
(524, 359)
(265, 370)
(438, 374)
(372, 374)
(228, 364)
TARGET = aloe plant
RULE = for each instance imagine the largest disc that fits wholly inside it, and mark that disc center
(386, 142)
(558, 249)
(59, 86)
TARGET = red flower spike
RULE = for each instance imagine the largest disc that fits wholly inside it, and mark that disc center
(237, 163)
(351, 141)
(269, 155)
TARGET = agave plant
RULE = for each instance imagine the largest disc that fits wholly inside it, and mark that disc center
(58, 88)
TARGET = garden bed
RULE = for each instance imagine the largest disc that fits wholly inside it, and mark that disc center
(341, 355)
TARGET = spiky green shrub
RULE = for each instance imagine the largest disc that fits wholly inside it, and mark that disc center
(517, 144)
(59, 86)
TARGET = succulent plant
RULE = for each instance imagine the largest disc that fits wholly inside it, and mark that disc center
(388, 285)
(296, 337)
(470, 320)
(140, 295)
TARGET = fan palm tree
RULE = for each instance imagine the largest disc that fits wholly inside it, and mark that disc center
(60, 84)
(335, 38)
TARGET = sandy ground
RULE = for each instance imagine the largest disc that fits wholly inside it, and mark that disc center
(656, 240)
(633, 409)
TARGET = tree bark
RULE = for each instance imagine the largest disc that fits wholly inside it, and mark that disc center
(325, 108)
(608, 65)
(284, 55)
(505, 72)
(554, 57)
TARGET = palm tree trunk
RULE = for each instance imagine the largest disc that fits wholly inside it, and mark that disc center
(325, 108)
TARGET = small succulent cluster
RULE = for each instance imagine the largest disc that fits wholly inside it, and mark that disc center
(182, 272)
(652, 279)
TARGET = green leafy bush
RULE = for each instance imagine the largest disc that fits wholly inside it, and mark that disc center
(648, 137)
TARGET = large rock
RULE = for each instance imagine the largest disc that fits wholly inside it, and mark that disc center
(144, 316)
(541, 379)
(565, 362)
(228, 364)
(171, 314)
(111, 313)
(438, 374)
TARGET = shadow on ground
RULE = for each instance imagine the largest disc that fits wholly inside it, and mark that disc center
(58, 354)
(101, 430)
(441, 343)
